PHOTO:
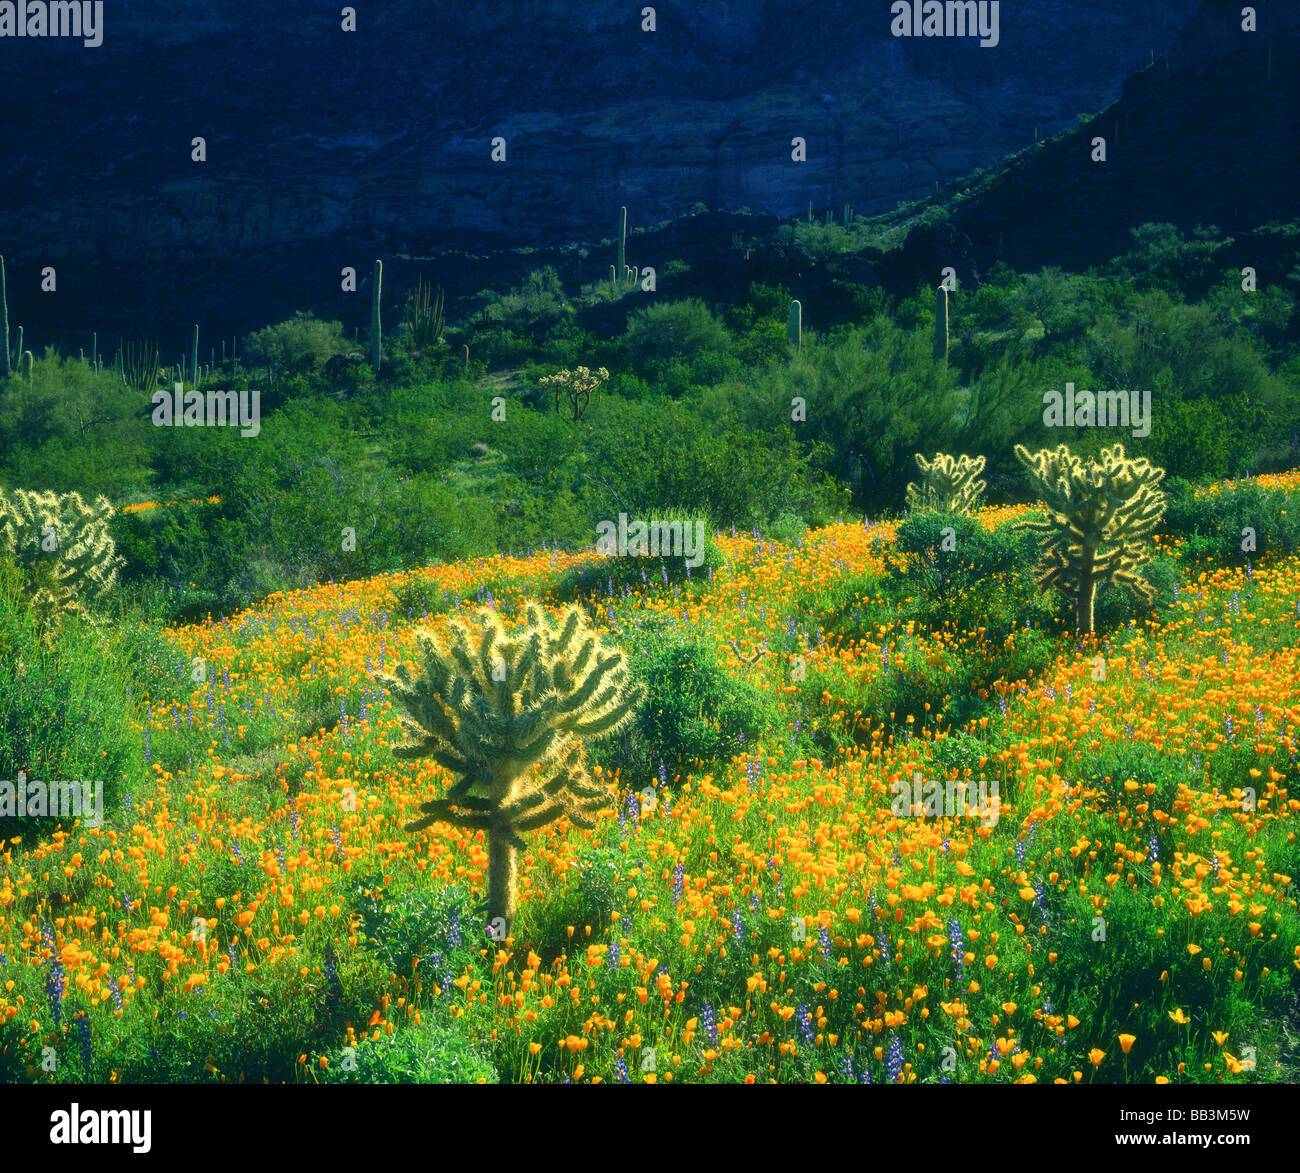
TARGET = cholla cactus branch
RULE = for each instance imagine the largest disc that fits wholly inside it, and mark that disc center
(948, 484)
(578, 385)
(506, 710)
(64, 546)
(1099, 517)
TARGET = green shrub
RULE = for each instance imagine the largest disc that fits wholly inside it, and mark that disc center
(62, 717)
(684, 330)
(611, 575)
(1215, 524)
(302, 345)
(694, 710)
(433, 1052)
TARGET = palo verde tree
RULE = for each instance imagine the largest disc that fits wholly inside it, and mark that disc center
(948, 484)
(1100, 514)
(506, 711)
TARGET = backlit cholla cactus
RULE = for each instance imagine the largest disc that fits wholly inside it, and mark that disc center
(506, 711)
(62, 544)
(948, 484)
(1100, 514)
(578, 385)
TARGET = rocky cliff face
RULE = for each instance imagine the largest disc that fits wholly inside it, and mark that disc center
(327, 148)
(1209, 133)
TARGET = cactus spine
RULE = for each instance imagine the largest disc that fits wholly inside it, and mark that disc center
(1099, 515)
(948, 484)
(507, 711)
(6, 368)
(62, 544)
(375, 328)
(941, 324)
(794, 326)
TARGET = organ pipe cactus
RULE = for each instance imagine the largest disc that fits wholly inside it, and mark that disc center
(1099, 516)
(507, 710)
(947, 483)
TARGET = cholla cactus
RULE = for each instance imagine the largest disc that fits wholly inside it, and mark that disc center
(506, 711)
(62, 544)
(578, 384)
(1099, 515)
(948, 484)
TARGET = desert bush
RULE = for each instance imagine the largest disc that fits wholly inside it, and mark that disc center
(302, 345)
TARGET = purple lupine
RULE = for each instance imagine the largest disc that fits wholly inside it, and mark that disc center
(958, 947)
(894, 1060)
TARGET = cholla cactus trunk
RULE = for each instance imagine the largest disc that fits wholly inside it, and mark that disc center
(1099, 517)
(948, 483)
(507, 711)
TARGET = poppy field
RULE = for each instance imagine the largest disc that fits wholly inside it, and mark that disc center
(1120, 909)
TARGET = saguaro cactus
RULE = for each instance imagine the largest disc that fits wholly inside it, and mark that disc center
(947, 483)
(794, 326)
(375, 329)
(941, 323)
(506, 710)
(1099, 515)
(194, 356)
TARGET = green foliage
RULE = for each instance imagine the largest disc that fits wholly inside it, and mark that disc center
(695, 709)
(874, 395)
(1217, 524)
(302, 345)
(532, 308)
(611, 574)
(432, 1053)
(684, 330)
(62, 717)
